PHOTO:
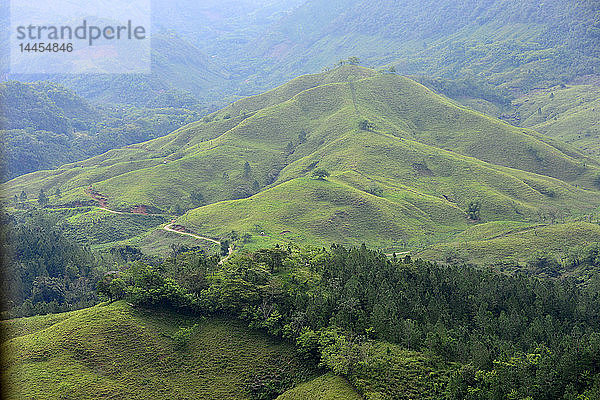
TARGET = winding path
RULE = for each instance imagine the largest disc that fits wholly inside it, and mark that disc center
(169, 228)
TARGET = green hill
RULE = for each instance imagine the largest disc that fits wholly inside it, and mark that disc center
(325, 387)
(568, 113)
(117, 351)
(405, 164)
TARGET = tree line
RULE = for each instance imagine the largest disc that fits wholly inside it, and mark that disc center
(481, 334)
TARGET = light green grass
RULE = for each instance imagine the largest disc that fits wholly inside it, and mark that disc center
(158, 242)
(98, 227)
(326, 387)
(116, 351)
(514, 244)
(570, 113)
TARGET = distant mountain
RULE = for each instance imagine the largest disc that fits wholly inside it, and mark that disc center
(407, 167)
(209, 52)
(517, 45)
(218, 27)
(44, 125)
(182, 76)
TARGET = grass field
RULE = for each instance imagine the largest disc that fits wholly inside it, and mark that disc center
(325, 387)
(116, 351)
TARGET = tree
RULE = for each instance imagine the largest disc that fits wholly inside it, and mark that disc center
(320, 173)
(117, 288)
(42, 198)
(289, 149)
(541, 262)
(246, 237)
(197, 198)
(473, 209)
(224, 247)
(23, 197)
(247, 170)
(112, 287)
(57, 192)
(365, 125)
(375, 190)
(302, 136)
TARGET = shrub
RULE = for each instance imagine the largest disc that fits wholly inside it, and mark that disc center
(182, 337)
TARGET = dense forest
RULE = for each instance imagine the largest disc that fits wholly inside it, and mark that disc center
(44, 271)
(482, 334)
(45, 125)
(465, 332)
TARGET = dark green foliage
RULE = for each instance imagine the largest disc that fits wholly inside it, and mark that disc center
(45, 125)
(269, 386)
(469, 87)
(182, 337)
(320, 173)
(197, 198)
(146, 286)
(530, 336)
(473, 209)
(375, 190)
(242, 191)
(542, 263)
(224, 247)
(42, 198)
(302, 136)
(366, 125)
(43, 267)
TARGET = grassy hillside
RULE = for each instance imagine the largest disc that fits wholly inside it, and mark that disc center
(116, 351)
(569, 113)
(513, 244)
(325, 387)
(404, 179)
(95, 227)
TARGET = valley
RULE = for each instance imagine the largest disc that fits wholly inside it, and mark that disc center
(322, 200)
